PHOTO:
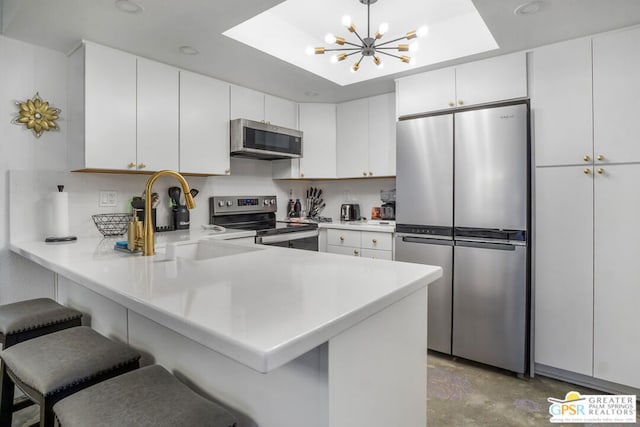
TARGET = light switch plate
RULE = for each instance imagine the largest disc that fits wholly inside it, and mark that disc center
(108, 198)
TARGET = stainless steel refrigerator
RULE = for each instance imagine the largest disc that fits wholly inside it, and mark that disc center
(462, 202)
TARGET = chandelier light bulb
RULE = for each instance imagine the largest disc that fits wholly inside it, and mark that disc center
(330, 38)
(412, 61)
(422, 31)
(310, 50)
(346, 21)
(413, 47)
(383, 28)
(334, 59)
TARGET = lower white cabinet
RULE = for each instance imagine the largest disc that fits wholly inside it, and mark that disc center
(586, 270)
(370, 244)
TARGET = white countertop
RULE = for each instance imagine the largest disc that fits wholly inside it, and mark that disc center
(263, 306)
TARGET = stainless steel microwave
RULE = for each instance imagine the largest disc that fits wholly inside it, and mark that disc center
(260, 140)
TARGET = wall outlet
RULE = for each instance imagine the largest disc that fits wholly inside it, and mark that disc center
(108, 198)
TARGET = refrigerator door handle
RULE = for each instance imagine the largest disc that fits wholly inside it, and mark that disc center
(483, 245)
(424, 241)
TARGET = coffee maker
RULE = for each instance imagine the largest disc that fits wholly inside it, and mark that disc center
(388, 209)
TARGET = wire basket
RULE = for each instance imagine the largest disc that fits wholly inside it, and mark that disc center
(112, 224)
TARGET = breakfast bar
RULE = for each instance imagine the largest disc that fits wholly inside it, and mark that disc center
(282, 337)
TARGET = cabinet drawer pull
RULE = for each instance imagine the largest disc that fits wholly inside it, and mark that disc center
(600, 157)
(586, 158)
(600, 171)
(342, 238)
(587, 171)
(364, 173)
(370, 173)
(227, 170)
(374, 241)
(450, 103)
(460, 102)
(301, 175)
(355, 252)
(131, 165)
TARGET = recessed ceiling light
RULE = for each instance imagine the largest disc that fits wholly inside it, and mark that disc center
(189, 50)
(528, 8)
(128, 6)
(311, 93)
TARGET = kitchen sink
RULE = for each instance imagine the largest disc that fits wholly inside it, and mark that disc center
(205, 249)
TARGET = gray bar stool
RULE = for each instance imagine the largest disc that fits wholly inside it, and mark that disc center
(146, 397)
(24, 320)
(54, 366)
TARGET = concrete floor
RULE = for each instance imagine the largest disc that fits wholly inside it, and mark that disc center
(462, 394)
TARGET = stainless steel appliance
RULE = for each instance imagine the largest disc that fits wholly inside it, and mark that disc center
(259, 213)
(350, 212)
(388, 209)
(260, 140)
(463, 203)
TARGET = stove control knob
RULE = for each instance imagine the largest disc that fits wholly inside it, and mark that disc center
(221, 203)
(229, 203)
(273, 202)
(266, 202)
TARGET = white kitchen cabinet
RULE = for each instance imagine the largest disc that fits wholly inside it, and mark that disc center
(370, 244)
(562, 103)
(318, 124)
(382, 135)
(102, 113)
(204, 125)
(353, 139)
(564, 268)
(157, 116)
(616, 96)
(431, 91)
(253, 105)
(490, 80)
(617, 274)
(366, 137)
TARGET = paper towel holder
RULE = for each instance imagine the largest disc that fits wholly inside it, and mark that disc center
(59, 239)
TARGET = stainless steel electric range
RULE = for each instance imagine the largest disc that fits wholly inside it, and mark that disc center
(259, 213)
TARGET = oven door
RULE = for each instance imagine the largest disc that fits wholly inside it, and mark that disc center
(307, 240)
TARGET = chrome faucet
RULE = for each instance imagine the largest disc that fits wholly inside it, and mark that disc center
(148, 247)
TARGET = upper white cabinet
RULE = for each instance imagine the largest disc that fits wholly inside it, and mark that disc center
(490, 80)
(616, 96)
(102, 109)
(561, 103)
(253, 105)
(204, 125)
(318, 124)
(157, 116)
(366, 137)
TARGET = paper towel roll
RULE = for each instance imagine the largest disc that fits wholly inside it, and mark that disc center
(59, 219)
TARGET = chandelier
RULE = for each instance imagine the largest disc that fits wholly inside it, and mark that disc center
(369, 46)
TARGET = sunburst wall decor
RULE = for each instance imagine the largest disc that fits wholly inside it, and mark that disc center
(37, 115)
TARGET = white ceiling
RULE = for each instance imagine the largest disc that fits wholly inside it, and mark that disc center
(165, 25)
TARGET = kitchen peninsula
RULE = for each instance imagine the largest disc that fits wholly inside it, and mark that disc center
(285, 337)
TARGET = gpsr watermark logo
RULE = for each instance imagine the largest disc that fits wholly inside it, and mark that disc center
(590, 408)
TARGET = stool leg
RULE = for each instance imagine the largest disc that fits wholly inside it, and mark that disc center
(6, 402)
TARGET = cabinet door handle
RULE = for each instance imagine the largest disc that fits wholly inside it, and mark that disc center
(460, 102)
(587, 171)
(301, 175)
(586, 158)
(370, 173)
(600, 157)
(364, 173)
(600, 171)
(227, 170)
(142, 166)
(342, 238)
(355, 252)
(450, 103)
(374, 241)
(131, 165)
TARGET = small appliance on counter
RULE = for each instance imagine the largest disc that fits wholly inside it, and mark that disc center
(388, 209)
(180, 212)
(350, 212)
